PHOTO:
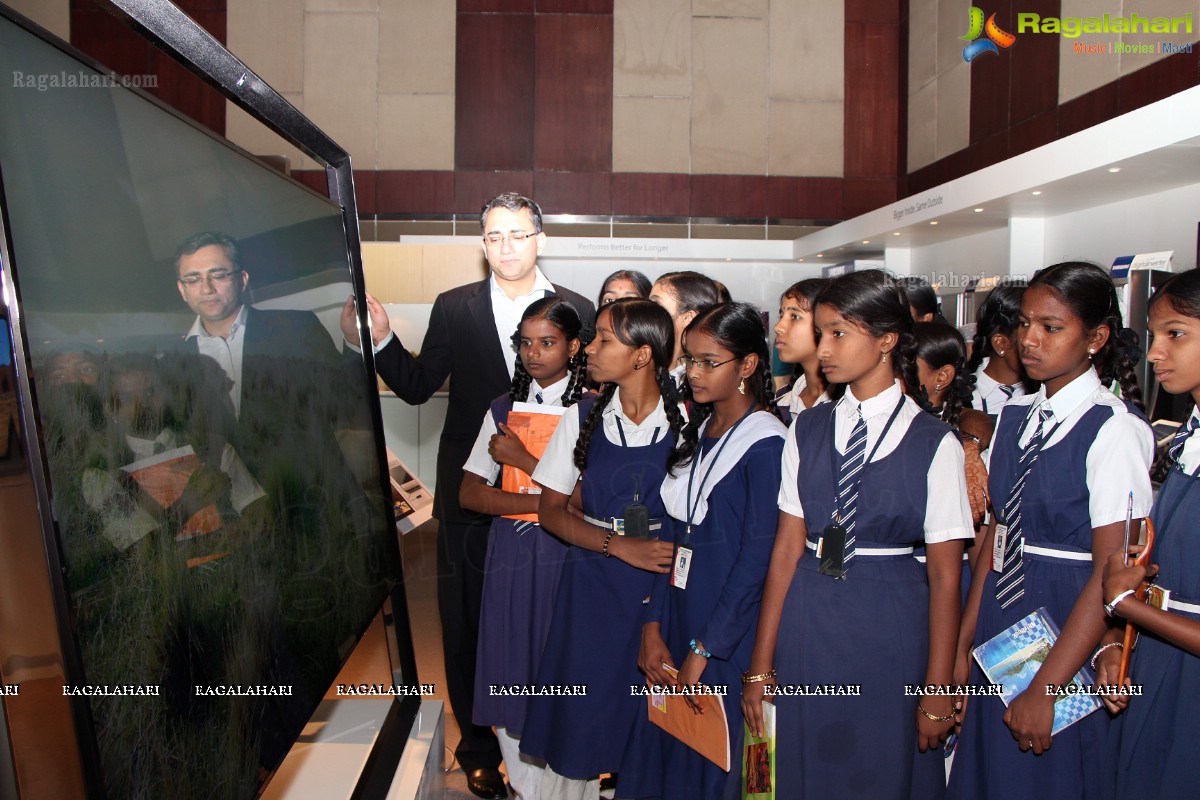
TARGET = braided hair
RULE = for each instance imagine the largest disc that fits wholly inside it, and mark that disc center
(637, 323)
(938, 345)
(876, 301)
(738, 328)
(1088, 292)
(1000, 313)
(563, 316)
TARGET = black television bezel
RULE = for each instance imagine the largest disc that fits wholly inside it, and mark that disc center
(168, 28)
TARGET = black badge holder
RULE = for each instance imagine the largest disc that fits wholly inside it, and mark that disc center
(833, 551)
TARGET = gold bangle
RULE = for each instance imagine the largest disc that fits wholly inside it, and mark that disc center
(931, 717)
(747, 678)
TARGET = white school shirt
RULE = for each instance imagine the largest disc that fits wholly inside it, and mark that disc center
(947, 509)
(988, 397)
(791, 398)
(1118, 461)
(556, 471)
(507, 311)
(479, 462)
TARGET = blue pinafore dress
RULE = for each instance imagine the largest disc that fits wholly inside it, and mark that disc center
(1055, 515)
(520, 582)
(731, 550)
(596, 627)
(1153, 745)
(868, 632)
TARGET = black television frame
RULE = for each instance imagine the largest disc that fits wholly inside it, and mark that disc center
(169, 29)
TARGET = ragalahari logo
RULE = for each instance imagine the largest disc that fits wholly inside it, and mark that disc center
(996, 38)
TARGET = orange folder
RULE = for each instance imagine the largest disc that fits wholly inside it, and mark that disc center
(164, 477)
(534, 425)
(707, 733)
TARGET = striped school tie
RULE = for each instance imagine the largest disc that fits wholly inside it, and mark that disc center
(1008, 390)
(1181, 436)
(849, 481)
(1008, 585)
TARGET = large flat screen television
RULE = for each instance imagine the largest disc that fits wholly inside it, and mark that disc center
(211, 506)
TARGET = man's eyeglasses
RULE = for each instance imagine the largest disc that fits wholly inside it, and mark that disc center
(213, 276)
(515, 238)
(705, 364)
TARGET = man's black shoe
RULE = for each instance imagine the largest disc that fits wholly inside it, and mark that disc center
(487, 783)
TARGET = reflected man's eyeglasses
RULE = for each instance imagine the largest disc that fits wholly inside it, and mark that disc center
(705, 365)
(212, 276)
(515, 238)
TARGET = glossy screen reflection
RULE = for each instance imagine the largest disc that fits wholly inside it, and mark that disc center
(210, 448)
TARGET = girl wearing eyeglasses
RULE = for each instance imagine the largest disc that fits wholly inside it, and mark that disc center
(720, 498)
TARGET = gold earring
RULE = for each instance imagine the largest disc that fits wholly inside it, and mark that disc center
(884, 359)
(742, 386)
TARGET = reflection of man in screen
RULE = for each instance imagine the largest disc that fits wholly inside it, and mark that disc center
(283, 370)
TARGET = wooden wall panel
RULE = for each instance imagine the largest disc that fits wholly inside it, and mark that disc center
(110, 41)
(494, 92)
(804, 198)
(573, 192)
(1033, 63)
(1159, 80)
(991, 81)
(574, 91)
(473, 189)
(645, 194)
(873, 99)
(739, 196)
(495, 6)
(415, 192)
(575, 7)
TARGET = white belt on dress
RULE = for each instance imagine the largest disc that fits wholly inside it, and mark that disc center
(869, 551)
(1054, 552)
(617, 524)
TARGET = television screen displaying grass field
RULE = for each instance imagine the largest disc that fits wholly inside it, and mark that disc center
(219, 503)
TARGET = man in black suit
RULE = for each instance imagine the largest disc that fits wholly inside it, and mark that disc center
(469, 340)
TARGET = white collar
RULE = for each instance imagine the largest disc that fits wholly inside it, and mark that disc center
(1067, 399)
(654, 419)
(198, 329)
(540, 283)
(552, 394)
(881, 403)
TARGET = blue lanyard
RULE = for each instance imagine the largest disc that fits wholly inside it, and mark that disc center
(637, 479)
(692, 506)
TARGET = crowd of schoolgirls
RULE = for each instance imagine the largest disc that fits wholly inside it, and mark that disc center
(905, 497)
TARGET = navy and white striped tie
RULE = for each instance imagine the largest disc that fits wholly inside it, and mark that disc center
(1181, 436)
(1008, 586)
(849, 480)
(1008, 390)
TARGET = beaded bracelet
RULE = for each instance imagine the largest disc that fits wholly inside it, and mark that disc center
(607, 539)
(747, 678)
(698, 650)
(1102, 648)
(933, 718)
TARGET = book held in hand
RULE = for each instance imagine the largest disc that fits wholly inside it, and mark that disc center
(758, 758)
(706, 733)
(534, 425)
(1012, 658)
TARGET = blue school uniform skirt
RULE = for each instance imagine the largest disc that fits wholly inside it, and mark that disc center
(1154, 745)
(863, 638)
(1055, 517)
(520, 581)
(596, 630)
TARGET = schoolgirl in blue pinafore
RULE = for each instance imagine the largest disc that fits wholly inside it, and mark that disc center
(519, 586)
(1057, 522)
(868, 632)
(731, 550)
(1154, 743)
(595, 630)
